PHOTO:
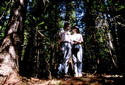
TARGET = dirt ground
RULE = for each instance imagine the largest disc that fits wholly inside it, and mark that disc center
(87, 79)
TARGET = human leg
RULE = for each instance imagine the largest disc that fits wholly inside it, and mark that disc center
(67, 57)
(75, 65)
(79, 60)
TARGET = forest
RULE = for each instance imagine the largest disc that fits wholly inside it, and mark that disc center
(29, 30)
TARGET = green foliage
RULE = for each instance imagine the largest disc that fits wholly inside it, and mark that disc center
(117, 5)
(120, 7)
(5, 8)
(87, 0)
(41, 23)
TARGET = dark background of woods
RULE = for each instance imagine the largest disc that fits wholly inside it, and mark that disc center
(102, 26)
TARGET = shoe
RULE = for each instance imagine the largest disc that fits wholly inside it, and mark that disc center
(80, 75)
(76, 75)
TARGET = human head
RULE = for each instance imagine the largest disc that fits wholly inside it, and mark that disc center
(66, 25)
(75, 29)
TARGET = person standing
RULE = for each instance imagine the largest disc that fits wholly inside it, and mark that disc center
(77, 39)
(64, 43)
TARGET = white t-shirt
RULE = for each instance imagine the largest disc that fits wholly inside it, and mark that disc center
(65, 36)
(76, 37)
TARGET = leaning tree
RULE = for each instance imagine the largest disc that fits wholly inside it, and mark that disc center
(11, 44)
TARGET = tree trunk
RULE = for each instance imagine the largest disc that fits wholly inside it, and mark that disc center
(90, 42)
(11, 44)
(69, 10)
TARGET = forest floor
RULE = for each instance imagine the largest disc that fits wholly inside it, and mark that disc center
(87, 79)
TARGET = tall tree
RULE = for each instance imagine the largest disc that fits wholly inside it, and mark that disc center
(99, 47)
(11, 45)
(90, 43)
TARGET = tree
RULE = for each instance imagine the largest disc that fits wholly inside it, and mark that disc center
(99, 43)
(11, 45)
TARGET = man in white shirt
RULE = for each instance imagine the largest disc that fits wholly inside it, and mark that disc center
(65, 48)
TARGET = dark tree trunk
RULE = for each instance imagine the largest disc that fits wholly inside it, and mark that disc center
(122, 49)
(118, 32)
(67, 18)
(11, 44)
(121, 34)
(69, 8)
(90, 33)
(30, 52)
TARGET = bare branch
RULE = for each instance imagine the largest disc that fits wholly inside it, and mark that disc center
(44, 1)
(114, 18)
(119, 23)
(40, 33)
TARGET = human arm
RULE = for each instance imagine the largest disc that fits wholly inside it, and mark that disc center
(79, 39)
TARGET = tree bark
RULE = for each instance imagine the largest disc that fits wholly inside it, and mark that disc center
(11, 44)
